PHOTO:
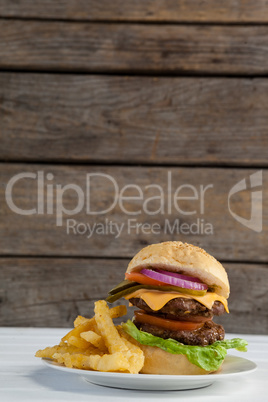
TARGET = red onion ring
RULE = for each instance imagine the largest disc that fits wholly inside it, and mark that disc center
(180, 276)
(174, 281)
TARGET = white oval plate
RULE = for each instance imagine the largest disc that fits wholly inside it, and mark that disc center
(232, 366)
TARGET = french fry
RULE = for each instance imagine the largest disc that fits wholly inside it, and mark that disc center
(80, 320)
(91, 337)
(51, 350)
(115, 312)
(136, 361)
(48, 352)
(114, 362)
(95, 339)
(78, 342)
(91, 350)
(118, 311)
(96, 344)
(107, 329)
(64, 359)
(96, 329)
(85, 326)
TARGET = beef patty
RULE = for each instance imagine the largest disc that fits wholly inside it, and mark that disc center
(181, 308)
(207, 335)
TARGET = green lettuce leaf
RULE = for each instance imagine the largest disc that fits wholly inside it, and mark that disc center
(206, 357)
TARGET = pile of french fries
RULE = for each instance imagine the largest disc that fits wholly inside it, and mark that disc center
(97, 344)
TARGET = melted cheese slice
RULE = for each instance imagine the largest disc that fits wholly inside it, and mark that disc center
(156, 299)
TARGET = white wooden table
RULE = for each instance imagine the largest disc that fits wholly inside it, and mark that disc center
(24, 377)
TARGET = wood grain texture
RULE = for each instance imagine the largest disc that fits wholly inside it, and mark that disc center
(69, 118)
(52, 292)
(38, 234)
(139, 10)
(136, 48)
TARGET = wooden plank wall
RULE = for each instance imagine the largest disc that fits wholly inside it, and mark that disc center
(142, 92)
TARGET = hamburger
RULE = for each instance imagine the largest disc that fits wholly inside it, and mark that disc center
(177, 289)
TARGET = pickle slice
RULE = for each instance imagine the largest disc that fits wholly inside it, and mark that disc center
(122, 286)
(113, 297)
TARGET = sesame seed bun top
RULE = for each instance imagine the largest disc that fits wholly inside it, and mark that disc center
(184, 258)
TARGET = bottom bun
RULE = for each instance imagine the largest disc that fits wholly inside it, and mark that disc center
(157, 361)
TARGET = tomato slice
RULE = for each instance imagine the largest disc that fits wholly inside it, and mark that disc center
(144, 280)
(172, 325)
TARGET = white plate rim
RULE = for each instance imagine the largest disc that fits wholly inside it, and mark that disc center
(144, 377)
